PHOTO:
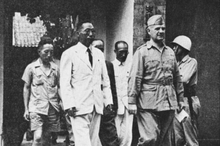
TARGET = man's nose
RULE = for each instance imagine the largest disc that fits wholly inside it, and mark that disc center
(49, 54)
(124, 54)
(91, 33)
(161, 30)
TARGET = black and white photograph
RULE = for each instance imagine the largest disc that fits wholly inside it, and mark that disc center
(109, 73)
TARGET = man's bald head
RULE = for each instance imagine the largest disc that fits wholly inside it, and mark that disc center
(98, 43)
(121, 50)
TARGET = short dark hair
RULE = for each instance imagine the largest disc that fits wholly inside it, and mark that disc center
(44, 40)
(119, 42)
(79, 25)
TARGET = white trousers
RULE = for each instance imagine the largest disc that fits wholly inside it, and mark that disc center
(86, 129)
(124, 124)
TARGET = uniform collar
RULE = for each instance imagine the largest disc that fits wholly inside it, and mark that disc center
(150, 45)
(38, 63)
(185, 58)
(119, 63)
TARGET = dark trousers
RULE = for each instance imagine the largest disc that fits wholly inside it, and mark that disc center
(108, 133)
(155, 128)
(186, 132)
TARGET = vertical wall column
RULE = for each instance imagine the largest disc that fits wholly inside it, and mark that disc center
(119, 25)
(1, 67)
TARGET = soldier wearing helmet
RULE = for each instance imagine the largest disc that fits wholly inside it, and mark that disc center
(188, 71)
(182, 46)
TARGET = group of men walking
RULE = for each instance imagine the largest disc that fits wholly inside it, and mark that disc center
(101, 97)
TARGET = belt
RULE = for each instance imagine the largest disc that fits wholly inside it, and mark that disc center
(162, 82)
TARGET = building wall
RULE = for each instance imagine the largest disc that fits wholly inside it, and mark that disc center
(199, 19)
(1, 67)
(98, 18)
(111, 22)
(119, 25)
(141, 15)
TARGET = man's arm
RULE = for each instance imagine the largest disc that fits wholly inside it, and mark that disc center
(178, 84)
(27, 78)
(190, 76)
(106, 83)
(65, 81)
(26, 96)
(58, 83)
(134, 81)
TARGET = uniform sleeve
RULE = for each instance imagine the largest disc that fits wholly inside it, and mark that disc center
(190, 77)
(178, 84)
(27, 75)
(135, 77)
(65, 81)
(106, 83)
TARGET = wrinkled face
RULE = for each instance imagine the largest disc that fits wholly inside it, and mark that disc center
(157, 32)
(86, 34)
(121, 52)
(46, 53)
(98, 44)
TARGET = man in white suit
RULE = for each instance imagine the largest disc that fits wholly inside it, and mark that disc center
(83, 71)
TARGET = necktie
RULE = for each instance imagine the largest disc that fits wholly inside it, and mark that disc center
(90, 55)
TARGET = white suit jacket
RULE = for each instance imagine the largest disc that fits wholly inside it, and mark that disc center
(80, 83)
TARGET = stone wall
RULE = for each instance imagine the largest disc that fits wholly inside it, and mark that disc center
(143, 9)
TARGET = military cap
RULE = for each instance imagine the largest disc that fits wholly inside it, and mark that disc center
(155, 20)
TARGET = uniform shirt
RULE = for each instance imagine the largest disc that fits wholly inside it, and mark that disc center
(154, 79)
(122, 71)
(44, 87)
(188, 70)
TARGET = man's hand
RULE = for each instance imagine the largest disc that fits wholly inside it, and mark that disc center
(109, 107)
(182, 105)
(71, 112)
(132, 108)
(26, 115)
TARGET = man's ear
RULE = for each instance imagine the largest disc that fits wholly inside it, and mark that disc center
(38, 51)
(148, 30)
(77, 33)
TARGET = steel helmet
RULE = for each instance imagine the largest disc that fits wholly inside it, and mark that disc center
(183, 41)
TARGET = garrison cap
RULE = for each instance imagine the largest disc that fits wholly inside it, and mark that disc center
(155, 20)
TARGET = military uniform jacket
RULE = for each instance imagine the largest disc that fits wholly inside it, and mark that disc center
(154, 80)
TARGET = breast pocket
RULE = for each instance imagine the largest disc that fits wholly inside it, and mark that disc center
(168, 64)
(38, 78)
(152, 65)
(37, 82)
